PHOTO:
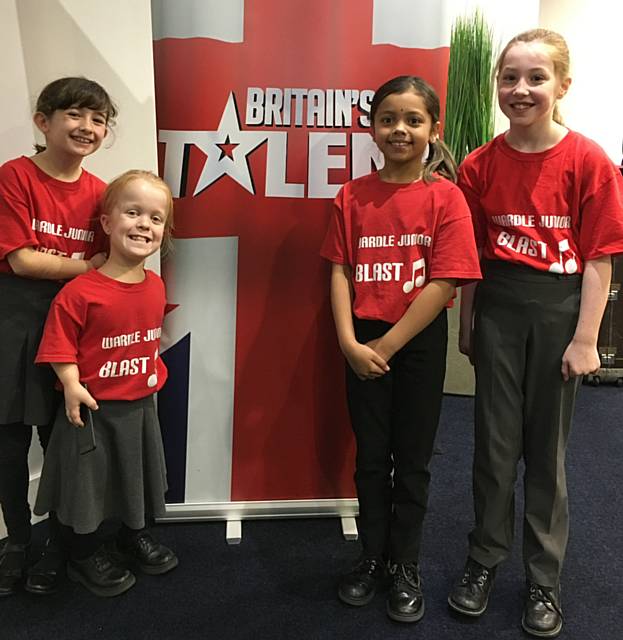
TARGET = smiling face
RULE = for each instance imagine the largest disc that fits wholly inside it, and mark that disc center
(528, 86)
(136, 221)
(402, 128)
(76, 131)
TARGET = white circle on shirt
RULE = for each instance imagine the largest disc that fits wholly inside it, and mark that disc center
(152, 381)
(571, 266)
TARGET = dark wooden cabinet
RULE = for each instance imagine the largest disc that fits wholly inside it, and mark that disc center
(610, 343)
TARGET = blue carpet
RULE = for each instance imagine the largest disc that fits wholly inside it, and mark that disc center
(280, 582)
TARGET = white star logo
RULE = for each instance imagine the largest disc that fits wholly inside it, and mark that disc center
(218, 163)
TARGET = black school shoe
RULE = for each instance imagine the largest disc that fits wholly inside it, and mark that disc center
(470, 594)
(149, 556)
(405, 602)
(358, 587)
(44, 576)
(542, 615)
(12, 565)
(100, 575)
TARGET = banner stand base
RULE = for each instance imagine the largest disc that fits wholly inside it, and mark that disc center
(233, 513)
(233, 532)
(349, 528)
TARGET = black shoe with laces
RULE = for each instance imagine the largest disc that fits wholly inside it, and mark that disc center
(358, 587)
(542, 615)
(150, 556)
(405, 602)
(12, 564)
(470, 593)
(44, 575)
(100, 575)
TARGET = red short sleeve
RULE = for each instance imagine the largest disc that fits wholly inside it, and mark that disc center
(455, 254)
(62, 329)
(15, 217)
(467, 182)
(601, 229)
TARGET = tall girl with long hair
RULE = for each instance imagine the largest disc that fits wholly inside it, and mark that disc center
(547, 205)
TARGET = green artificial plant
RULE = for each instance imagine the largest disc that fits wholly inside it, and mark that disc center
(469, 101)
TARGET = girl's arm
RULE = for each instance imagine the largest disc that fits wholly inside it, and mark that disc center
(421, 312)
(362, 359)
(466, 319)
(75, 393)
(581, 356)
(29, 263)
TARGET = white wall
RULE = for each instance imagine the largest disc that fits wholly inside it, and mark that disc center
(15, 127)
(593, 30)
(107, 42)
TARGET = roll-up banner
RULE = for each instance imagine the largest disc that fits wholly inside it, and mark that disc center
(262, 113)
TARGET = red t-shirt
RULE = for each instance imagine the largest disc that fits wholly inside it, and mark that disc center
(111, 330)
(397, 237)
(551, 210)
(52, 216)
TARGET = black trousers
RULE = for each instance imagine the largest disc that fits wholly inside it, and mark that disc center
(524, 321)
(14, 477)
(395, 419)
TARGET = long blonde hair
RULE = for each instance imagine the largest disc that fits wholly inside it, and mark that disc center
(559, 54)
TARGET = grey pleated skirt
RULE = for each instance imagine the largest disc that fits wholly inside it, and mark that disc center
(124, 477)
(26, 389)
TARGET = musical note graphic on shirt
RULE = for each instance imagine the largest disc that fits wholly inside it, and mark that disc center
(152, 381)
(408, 287)
(568, 266)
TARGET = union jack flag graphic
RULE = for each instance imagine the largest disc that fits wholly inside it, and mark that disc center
(262, 115)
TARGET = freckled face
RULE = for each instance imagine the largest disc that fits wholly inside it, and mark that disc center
(136, 223)
(403, 127)
(528, 86)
